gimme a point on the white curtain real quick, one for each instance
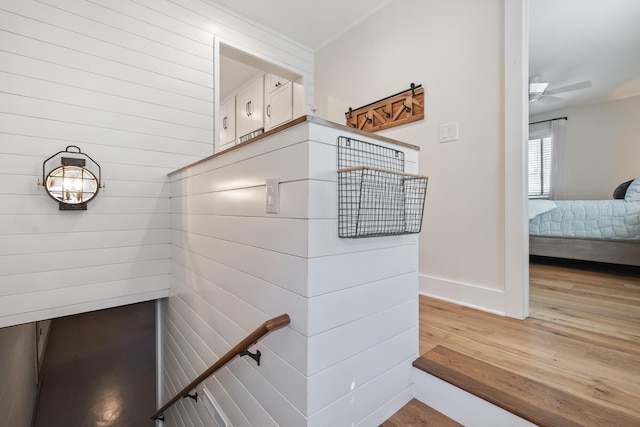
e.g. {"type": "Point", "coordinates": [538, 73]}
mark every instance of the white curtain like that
{"type": "Point", "coordinates": [556, 187]}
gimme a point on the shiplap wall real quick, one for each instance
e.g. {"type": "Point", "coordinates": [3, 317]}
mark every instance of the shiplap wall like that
{"type": "Point", "coordinates": [362, 304]}
{"type": "Point", "coordinates": [346, 357]}
{"type": "Point", "coordinates": [131, 82]}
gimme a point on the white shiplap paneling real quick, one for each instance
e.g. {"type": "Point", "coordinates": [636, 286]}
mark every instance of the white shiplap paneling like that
{"type": "Point", "coordinates": [346, 356]}
{"type": "Point", "coordinates": [131, 83]}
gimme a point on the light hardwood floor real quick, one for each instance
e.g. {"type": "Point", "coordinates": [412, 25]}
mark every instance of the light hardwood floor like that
{"type": "Point", "coordinates": [417, 414]}
{"type": "Point", "coordinates": [582, 337]}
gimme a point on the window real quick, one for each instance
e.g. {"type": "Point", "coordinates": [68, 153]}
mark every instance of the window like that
{"type": "Point", "coordinates": [539, 166]}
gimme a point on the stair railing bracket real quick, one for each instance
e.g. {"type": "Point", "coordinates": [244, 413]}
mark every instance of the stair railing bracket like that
{"type": "Point", "coordinates": [255, 356]}
{"type": "Point", "coordinates": [193, 396]}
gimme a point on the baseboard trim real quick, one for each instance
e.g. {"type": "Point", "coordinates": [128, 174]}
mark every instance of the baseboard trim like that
{"type": "Point", "coordinates": [489, 300]}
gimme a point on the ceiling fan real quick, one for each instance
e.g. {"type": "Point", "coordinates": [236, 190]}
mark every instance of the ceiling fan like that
{"type": "Point", "coordinates": [538, 90]}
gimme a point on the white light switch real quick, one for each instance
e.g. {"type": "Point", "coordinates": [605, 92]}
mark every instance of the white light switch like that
{"type": "Point", "coordinates": [449, 132]}
{"type": "Point", "coordinates": [273, 195]}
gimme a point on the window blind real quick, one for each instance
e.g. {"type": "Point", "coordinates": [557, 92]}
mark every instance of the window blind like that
{"type": "Point", "coordinates": [539, 166]}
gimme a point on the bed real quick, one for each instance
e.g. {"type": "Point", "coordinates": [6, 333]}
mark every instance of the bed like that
{"type": "Point", "coordinates": [591, 230]}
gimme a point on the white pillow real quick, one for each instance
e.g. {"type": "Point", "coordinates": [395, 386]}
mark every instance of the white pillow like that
{"type": "Point", "coordinates": [633, 192]}
{"type": "Point", "coordinates": [540, 206]}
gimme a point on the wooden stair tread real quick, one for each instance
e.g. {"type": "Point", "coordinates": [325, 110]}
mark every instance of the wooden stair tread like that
{"type": "Point", "coordinates": [529, 399]}
{"type": "Point", "coordinates": [417, 414]}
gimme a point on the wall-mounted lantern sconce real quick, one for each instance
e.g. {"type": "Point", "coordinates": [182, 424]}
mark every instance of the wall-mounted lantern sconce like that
{"type": "Point", "coordinates": [72, 185]}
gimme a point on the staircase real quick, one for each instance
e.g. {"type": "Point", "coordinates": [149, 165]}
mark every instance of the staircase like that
{"type": "Point", "coordinates": [479, 394]}
{"type": "Point", "coordinates": [524, 397]}
{"type": "Point", "coordinates": [443, 403]}
{"type": "Point", "coordinates": [573, 362]}
{"type": "Point", "coordinates": [416, 414]}
{"type": "Point", "coordinates": [99, 369]}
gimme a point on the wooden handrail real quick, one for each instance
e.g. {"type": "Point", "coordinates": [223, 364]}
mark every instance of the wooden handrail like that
{"type": "Point", "coordinates": [252, 338]}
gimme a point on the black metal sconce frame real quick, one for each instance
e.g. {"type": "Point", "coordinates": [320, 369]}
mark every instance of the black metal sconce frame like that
{"type": "Point", "coordinates": [77, 162]}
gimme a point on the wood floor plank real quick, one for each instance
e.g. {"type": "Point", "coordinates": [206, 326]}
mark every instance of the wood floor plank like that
{"type": "Point", "coordinates": [587, 336]}
{"type": "Point", "coordinates": [626, 305]}
{"type": "Point", "coordinates": [529, 399]}
{"type": "Point", "coordinates": [582, 337]}
{"type": "Point", "coordinates": [417, 414]}
{"type": "Point", "coordinates": [588, 384]}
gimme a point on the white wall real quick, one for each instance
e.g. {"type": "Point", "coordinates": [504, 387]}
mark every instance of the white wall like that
{"type": "Point", "coordinates": [346, 358]}
{"type": "Point", "coordinates": [138, 99]}
{"type": "Point", "coordinates": [363, 306]}
{"type": "Point", "coordinates": [131, 84]}
{"type": "Point", "coordinates": [17, 374]}
{"type": "Point", "coordinates": [233, 267]}
{"type": "Point", "coordinates": [602, 143]}
{"type": "Point", "coordinates": [455, 50]}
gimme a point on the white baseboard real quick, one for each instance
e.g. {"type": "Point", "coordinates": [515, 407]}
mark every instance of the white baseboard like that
{"type": "Point", "coordinates": [461, 406]}
{"type": "Point", "coordinates": [490, 300]}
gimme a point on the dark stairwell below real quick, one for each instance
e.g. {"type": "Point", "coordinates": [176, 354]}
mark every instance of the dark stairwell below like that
{"type": "Point", "coordinates": [100, 369]}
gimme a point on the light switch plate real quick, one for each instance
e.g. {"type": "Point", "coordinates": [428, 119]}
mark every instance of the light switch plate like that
{"type": "Point", "coordinates": [273, 195]}
{"type": "Point", "coordinates": [449, 132]}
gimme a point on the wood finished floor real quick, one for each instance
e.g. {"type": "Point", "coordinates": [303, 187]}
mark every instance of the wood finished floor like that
{"type": "Point", "coordinates": [582, 337]}
{"type": "Point", "coordinates": [99, 370]}
{"type": "Point", "coordinates": [417, 414]}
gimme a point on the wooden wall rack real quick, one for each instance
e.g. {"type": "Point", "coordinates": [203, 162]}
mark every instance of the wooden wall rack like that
{"type": "Point", "coordinates": [403, 107]}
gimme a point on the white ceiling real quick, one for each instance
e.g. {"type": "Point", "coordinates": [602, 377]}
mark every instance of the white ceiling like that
{"type": "Point", "coordinates": [571, 41]}
{"type": "Point", "coordinates": [311, 23]}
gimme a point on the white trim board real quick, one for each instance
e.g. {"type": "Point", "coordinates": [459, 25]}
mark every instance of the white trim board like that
{"type": "Point", "coordinates": [516, 112]}
{"type": "Point", "coordinates": [461, 406]}
{"type": "Point", "coordinates": [465, 294]}
{"type": "Point", "coordinates": [67, 310]}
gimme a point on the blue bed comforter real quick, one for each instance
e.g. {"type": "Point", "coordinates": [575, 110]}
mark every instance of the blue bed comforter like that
{"type": "Point", "coordinates": [606, 219]}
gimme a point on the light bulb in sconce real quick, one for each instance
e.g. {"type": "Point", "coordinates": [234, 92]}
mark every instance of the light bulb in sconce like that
{"type": "Point", "coordinates": [72, 184]}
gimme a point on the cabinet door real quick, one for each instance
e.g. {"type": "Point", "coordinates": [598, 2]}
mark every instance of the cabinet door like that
{"type": "Point", "coordinates": [273, 82]}
{"type": "Point", "coordinates": [256, 106]}
{"type": "Point", "coordinates": [249, 105]}
{"type": "Point", "coordinates": [243, 118]}
{"type": "Point", "coordinates": [228, 123]}
{"type": "Point", "coordinates": [279, 106]}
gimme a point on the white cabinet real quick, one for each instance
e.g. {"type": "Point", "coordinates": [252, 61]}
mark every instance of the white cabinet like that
{"type": "Point", "coordinates": [227, 124]}
{"type": "Point", "coordinates": [249, 107]}
{"type": "Point", "coordinates": [265, 102]}
{"type": "Point", "coordinates": [273, 82]}
{"type": "Point", "coordinates": [279, 106]}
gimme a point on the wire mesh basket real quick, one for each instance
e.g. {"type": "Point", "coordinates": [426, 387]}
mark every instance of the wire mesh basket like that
{"type": "Point", "coordinates": [377, 201]}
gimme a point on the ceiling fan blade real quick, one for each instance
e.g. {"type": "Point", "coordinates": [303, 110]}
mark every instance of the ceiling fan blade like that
{"type": "Point", "coordinates": [576, 86]}
{"type": "Point", "coordinates": [547, 99]}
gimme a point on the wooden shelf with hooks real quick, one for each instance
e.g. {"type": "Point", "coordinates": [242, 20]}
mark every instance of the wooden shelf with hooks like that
{"type": "Point", "coordinates": [395, 110]}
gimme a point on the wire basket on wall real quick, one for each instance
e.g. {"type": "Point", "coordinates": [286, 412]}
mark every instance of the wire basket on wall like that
{"type": "Point", "coordinates": [375, 196]}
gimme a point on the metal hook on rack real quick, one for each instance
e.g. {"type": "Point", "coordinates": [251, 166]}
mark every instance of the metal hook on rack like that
{"type": "Point", "coordinates": [386, 114]}
{"type": "Point", "coordinates": [413, 89]}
